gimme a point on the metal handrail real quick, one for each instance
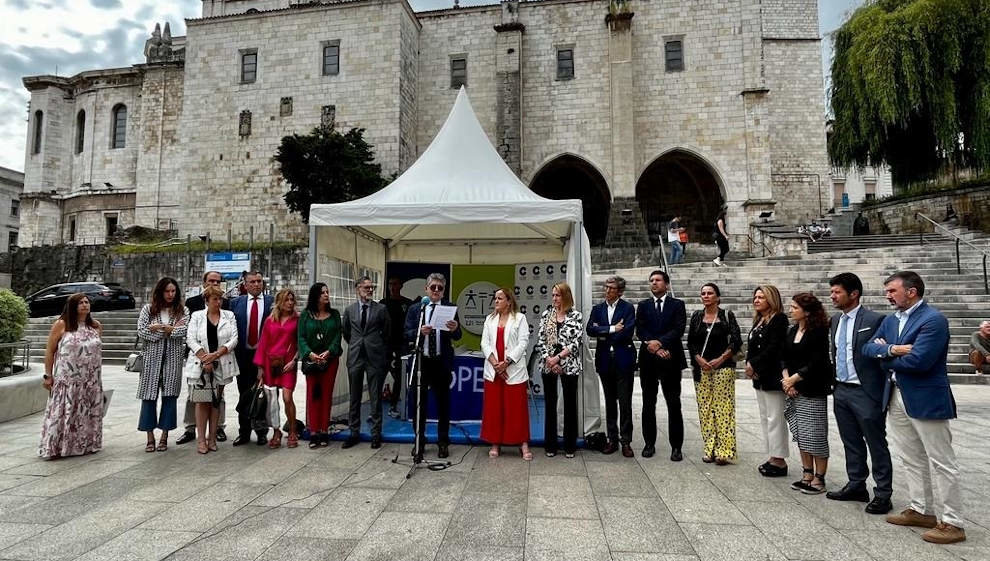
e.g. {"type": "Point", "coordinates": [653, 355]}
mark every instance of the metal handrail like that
{"type": "Point", "coordinates": [763, 244]}
{"type": "Point", "coordinates": [986, 279]}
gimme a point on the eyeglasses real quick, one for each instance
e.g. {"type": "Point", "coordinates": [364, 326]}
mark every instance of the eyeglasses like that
{"type": "Point", "coordinates": [611, 287]}
{"type": "Point", "coordinates": [436, 287]}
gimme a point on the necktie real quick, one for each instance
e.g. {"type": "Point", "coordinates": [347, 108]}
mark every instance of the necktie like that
{"type": "Point", "coordinates": [253, 324]}
{"type": "Point", "coordinates": [841, 369]}
{"type": "Point", "coordinates": [364, 315]}
{"type": "Point", "coordinates": [659, 305]}
{"type": "Point", "coordinates": [433, 336]}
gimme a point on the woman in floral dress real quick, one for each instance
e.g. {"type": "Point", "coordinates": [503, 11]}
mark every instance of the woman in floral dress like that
{"type": "Point", "coordinates": [73, 423]}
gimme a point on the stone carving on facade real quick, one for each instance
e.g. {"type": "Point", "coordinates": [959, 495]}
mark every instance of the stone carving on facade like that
{"type": "Point", "coordinates": [159, 48]}
{"type": "Point", "coordinates": [244, 123]}
{"type": "Point", "coordinates": [328, 116]}
{"type": "Point", "coordinates": [510, 17]}
{"type": "Point", "coordinates": [619, 17]}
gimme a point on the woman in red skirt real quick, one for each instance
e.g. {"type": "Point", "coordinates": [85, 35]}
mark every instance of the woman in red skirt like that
{"type": "Point", "coordinates": [504, 341]}
{"type": "Point", "coordinates": [276, 358]}
{"type": "Point", "coordinates": [319, 348]}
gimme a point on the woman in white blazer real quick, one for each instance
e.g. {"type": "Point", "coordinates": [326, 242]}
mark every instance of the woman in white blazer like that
{"type": "Point", "coordinates": [504, 342]}
{"type": "Point", "coordinates": [211, 337]}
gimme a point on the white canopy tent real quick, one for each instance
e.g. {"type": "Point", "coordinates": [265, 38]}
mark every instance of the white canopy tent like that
{"type": "Point", "coordinates": [459, 203]}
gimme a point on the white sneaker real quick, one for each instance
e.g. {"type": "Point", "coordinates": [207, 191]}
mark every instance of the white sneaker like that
{"type": "Point", "coordinates": [717, 261]}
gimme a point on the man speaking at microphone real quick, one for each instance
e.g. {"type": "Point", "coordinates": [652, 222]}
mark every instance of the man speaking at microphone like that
{"type": "Point", "coordinates": [437, 361]}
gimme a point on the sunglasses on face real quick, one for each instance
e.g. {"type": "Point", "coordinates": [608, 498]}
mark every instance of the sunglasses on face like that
{"type": "Point", "coordinates": [436, 287]}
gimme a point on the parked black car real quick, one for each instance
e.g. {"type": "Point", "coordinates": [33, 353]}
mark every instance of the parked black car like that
{"type": "Point", "coordinates": [102, 296]}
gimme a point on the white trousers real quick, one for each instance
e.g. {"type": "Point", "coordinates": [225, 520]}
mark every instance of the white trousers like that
{"type": "Point", "coordinates": [774, 424]}
{"type": "Point", "coordinates": [925, 449]}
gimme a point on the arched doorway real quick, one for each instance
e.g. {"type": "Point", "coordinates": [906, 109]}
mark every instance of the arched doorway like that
{"type": "Point", "coordinates": [680, 183]}
{"type": "Point", "coordinates": [570, 177]}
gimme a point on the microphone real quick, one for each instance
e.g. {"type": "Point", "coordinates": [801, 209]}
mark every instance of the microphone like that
{"type": "Point", "coordinates": [425, 300]}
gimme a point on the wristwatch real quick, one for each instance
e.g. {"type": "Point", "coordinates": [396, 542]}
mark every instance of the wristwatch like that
{"type": "Point", "coordinates": [46, 376]}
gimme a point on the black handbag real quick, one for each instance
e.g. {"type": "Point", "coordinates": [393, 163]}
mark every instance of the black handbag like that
{"type": "Point", "coordinates": [253, 403]}
{"type": "Point", "coordinates": [311, 368]}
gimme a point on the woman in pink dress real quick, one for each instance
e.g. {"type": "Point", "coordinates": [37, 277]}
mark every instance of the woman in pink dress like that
{"type": "Point", "coordinates": [276, 361]}
{"type": "Point", "coordinates": [73, 423]}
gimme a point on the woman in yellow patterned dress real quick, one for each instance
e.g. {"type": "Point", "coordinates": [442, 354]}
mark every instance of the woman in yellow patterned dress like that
{"type": "Point", "coordinates": [713, 341]}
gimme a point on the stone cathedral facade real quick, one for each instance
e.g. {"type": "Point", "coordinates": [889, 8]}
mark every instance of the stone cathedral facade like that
{"type": "Point", "coordinates": [670, 106]}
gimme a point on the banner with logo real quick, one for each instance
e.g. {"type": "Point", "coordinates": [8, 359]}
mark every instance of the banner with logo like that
{"type": "Point", "coordinates": [473, 290]}
{"type": "Point", "coordinates": [533, 285]}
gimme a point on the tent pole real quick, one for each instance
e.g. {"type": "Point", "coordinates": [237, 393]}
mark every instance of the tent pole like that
{"type": "Point", "coordinates": [357, 269]}
{"type": "Point", "coordinates": [312, 254]}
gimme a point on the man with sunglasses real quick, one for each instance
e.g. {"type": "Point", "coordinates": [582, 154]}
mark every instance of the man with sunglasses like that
{"type": "Point", "coordinates": [437, 361]}
{"type": "Point", "coordinates": [195, 303]}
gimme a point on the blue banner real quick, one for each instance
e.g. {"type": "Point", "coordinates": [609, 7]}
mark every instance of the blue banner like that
{"type": "Point", "coordinates": [467, 390]}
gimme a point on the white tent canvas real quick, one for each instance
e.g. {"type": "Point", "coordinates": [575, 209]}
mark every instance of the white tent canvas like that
{"type": "Point", "coordinates": [458, 203]}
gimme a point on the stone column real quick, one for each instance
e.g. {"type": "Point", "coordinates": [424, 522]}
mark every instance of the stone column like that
{"type": "Point", "coordinates": [508, 81]}
{"type": "Point", "coordinates": [759, 193]}
{"type": "Point", "coordinates": [619, 21]}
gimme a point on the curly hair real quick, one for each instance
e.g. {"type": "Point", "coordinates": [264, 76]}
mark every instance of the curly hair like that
{"type": "Point", "coordinates": [816, 316]}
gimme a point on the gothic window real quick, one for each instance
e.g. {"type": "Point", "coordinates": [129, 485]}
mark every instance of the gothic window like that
{"type": "Point", "coordinates": [249, 66]}
{"type": "Point", "coordinates": [673, 50]}
{"type": "Point", "coordinates": [244, 124]}
{"type": "Point", "coordinates": [328, 115]}
{"type": "Point", "coordinates": [331, 58]}
{"type": "Point", "coordinates": [458, 71]}
{"type": "Point", "coordinates": [285, 107]}
{"type": "Point", "coordinates": [80, 131]}
{"type": "Point", "coordinates": [118, 128]}
{"type": "Point", "coordinates": [39, 119]}
{"type": "Point", "coordinates": [565, 63]}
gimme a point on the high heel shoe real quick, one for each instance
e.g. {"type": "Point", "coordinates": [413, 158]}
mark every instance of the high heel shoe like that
{"type": "Point", "coordinates": [201, 447]}
{"type": "Point", "coordinates": [276, 440]}
{"type": "Point", "coordinates": [292, 441]}
{"type": "Point", "coordinates": [527, 454]}
{"type": "Point", "coordinates": [493, 452]}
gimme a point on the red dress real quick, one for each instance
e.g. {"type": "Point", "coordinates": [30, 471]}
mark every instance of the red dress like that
{"type": "Point", "coordinates": [278, 340]}
{"type": "Point", "coordinates": [505, 414]}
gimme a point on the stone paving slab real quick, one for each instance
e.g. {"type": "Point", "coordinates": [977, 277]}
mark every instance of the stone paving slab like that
{"type": "Point", "coordinates": [330, 504]}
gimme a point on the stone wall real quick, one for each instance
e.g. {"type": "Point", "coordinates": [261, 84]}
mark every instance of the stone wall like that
{"type": "Point", "coordinates": [158, 203]}
{"type": "Point", "coordinates": [972, 205]}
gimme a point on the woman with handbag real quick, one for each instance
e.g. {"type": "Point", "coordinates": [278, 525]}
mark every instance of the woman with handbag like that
{"type": "Point", "coordinates": [211, 336]}
{"type": "Point", "coordinates": [504, 342]}
{"type": "Point", "coordinates": [559, 349]}
{"type": "Point", "coordinates": [319, 347]}
{"type": "Point", "coordinates": [766, 343]}
{"type": "Point", "coordinates": [275, 358]}
{"type": "Point", "coordinates": [713, 341]}
{"type": "Point", "coordinates": [162, 328]}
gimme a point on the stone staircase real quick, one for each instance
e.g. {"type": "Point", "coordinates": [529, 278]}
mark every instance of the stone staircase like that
{"type": "Point", "coordinates": [960, 297]}
{"type": "Point", "coordinates": [627, 240]}
{"type": "Point", "coordinates": [840, 244]}
{"type": "Point", "coordinates": [119, 331]}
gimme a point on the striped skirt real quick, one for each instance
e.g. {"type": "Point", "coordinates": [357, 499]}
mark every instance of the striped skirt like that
{"type": "Point", "coordinates": [807, 417]}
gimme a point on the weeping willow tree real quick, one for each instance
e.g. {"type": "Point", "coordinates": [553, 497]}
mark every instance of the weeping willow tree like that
{"type": "Point", "coordinates": [911, 88]}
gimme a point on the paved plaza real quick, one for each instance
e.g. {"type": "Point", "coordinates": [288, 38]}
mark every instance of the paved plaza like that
{"type": "Point", "coordinates": [251, 503]}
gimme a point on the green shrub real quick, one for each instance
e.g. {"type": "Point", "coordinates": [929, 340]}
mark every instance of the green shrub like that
{"type": "Point", "coordinates": [13, 318]}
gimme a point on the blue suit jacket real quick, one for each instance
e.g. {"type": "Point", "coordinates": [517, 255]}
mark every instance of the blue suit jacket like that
{"type": "Point", "coordinates": [613, 346]}
{"type": "Point", "coordinates": [922, 375]}
{"type": "Point", "coordinates": [446, 337]}
{"type": "Point", "coordinates": [873, 377]}
{"type": "Point", "coordinates": [239, 307]}
{"type": "Point", "coordinates": [668, 328]}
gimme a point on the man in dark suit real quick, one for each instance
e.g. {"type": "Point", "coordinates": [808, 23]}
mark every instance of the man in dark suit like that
{"type": "Point", "coordinates": [612, 323]}
{"type": "Point", "coordinates": [397, 306]}
{"type": "Point", "coordinates": [250, 309]}
{"type": "Point", "coordinates": [860, 392]}
{"type": "Point", "coordinates": [437, 363]}
{"type": "Point", "coordinates": [366, 329]}
{"type": "Point", "coordinates": [913, 344]}
{"type": "Point", "coordinates": [660, 323]}
{"type": "Point", "coordinates": [195, 303]}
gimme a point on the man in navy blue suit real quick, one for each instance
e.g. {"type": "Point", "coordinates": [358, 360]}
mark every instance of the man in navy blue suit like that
{"type": "Point", "coordinates": [913, 344]}
{"type": "Point", "coordinates": [660, 323]}
{"type": "Point", "coordinates": [612, 324]}
{"type": "Point", "coordinates": [250, 309]}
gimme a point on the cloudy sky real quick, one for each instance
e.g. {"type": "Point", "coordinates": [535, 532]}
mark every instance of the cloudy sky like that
{"type": "Point", "coordinates": [69, 36]}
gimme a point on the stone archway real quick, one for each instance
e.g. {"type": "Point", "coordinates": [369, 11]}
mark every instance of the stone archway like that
{"type": "Point", "coordinates": [680, 183]}
{"type": "Point", "coordinates": [570, 177]}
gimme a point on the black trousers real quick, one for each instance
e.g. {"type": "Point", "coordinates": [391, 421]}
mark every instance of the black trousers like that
{"type": "Point", "coordinates": [723, 246]}
{"type": "Point", "coordinates": [246, 380]}
{"type": "Point", "coordinates": [618, 388]}
{"type": "Point", "coordinates": [397, 370]}
{"type": "Point", "coordinates": [436, 378]}
{"type": "Point", "coordinates": [651, 378]}
{"type": "Point", "coordinates": [862, 426]}
{"type": "Point", "coordinates": [570, 385]}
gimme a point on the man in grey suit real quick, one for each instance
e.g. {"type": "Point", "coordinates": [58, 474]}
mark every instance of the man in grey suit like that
{"type": "Point", "coordinates": [861, 395]}
{"type": "Point", "coordinates": [366, 330]}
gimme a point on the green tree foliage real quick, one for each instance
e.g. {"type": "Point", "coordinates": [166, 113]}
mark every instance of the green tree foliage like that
{"type": "Point", "coordinates": [13, 318]}
{"type": "Point", "coordinates": [326, 166]}
{"type": "Point", "coordinates": [911, 87]}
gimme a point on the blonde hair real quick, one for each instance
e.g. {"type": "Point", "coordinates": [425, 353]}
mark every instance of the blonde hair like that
{"type": "Point", "coordinates": [511, 297]}
{"type": "Point", "coordinates": [566, 296]}
{"type": "Point", "coordinates": [772, 295]}
{"type": "Point", "coordinates": [211, 292]}
{"type": "Point", "coordinates": [279, 300]}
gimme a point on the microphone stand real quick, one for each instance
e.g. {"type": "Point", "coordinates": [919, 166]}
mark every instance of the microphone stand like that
{"type": "Point", "coordinates": [417, 374]}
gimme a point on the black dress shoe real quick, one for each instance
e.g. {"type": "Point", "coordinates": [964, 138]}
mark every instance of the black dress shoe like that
{"type": "Point", "coordinates": [376, 442]}
{"type": "Point", "coordinates": [849, 494]}
{"type": "Point", "coordinates": [241, 439]}
{"type": "Point", "coordinates": [443, 451]}
{"type": "Point", "coordinates": [627, 451]}
{"type": "Point", "coordinates": [649, 451]}
{"type": "Point", "coordinates": [611, 447]}
{"type": "Point", "coordinates": [189, 437]}
{"type": "Point", "coordinates": [675, 455]}
{"type": "Point", "coordinates": [351, 442]}
{"type": "Point", "coordinates": [879, 505]}
{"type": "Point", "coordinates": [262, 440]}
{"type": "Point", "coordinates": [221, 436]}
